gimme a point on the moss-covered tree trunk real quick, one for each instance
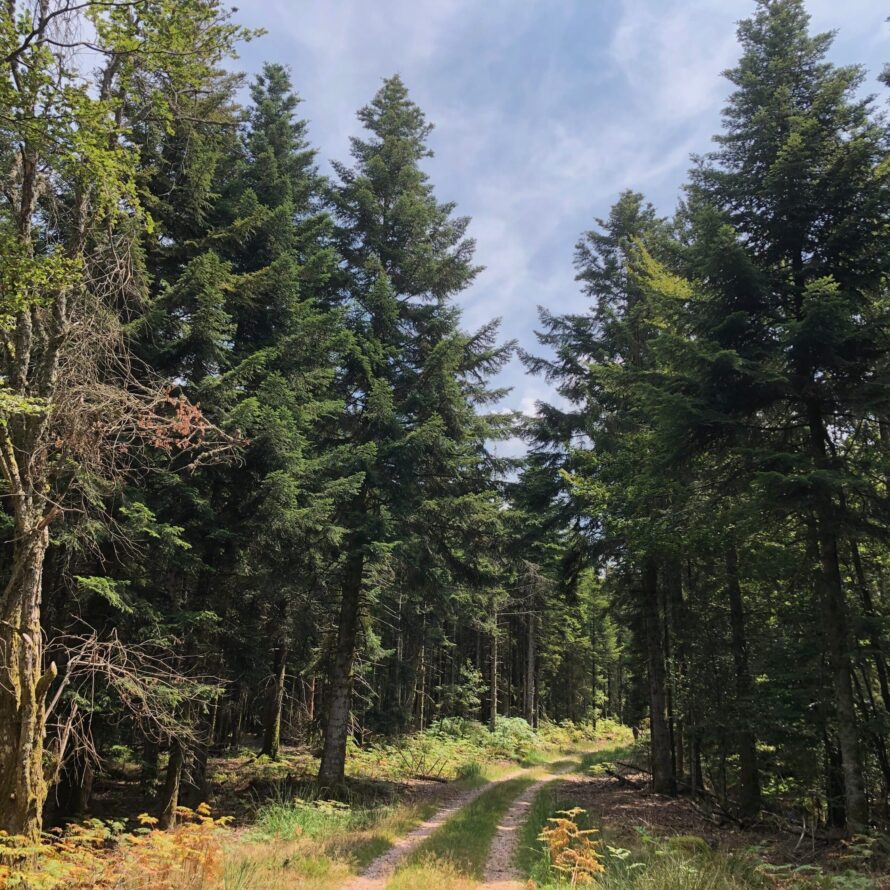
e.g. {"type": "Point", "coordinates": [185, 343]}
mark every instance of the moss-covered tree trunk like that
{"type": "Point", "coordinates": [272, 729]}
{"type": "Point", "coordinates": [23, 683]}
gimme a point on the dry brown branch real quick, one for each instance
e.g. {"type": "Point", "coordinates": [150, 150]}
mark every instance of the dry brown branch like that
{"type": "Point", "coordinates": [154, 687]}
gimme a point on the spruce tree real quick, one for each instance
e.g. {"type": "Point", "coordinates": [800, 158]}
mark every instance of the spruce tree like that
{"type": "Point", "coordinates": [799, 183]}
{"type": "Point", "coordinates": [413, 379]}
{"type": "Point", "coordinates": [606, 441]}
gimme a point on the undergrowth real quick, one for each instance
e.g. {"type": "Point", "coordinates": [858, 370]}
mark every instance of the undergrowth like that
{"type": "Point", "coordinates": [679, 862]}
{"type": "Point", "coordinates": [294, 839]}
{"type": "Point", "coordinates": [102, 856]}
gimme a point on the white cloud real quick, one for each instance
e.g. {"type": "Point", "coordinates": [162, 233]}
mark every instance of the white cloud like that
{"type": "Point", "coordinates": [544, 112]}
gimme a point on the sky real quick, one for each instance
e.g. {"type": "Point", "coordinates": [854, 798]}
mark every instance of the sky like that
{"type": "Point", "coordinates": [544, 111]}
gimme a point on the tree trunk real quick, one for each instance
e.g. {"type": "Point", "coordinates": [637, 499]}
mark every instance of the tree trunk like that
{"type": "Point", "coordinates": [71, 796]}
{"type": "Point", "coordinates": [272, 729]}
{"type": "Point", "coordinates": [23, 687]}
{"type": "Point", "coordinates": [421, 690]}
{"type": "Point", "coordinates": [875, 636]}
{"type": "Point", "coordinates": [663, 779]}
{"type": "Point", "coordinates": [168, 800]}
{"type": "Point", "coordinates": [493, 716]}
{"type": "Point", "coordinates": [333, 756]}
{"type": "Point", "coordinates": [749, 776]}
{"type": "Point", "coordinates": [867, 703]}
{"type": "Point", "coordinates": [197, 788]}
{"type": "Point", "coordinates": [529, 705]}
{"type": "Point", "coordinates": [832, 591]}
{"type": "Point", "coordinates": [675, 616]}
{"type": "Point", "coordinates": [834, 785]}
{"type": "Point", "coordinates": [148, 778]}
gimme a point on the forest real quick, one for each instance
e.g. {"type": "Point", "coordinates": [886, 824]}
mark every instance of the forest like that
{"type": "Point", "coordinates": [264, 558]}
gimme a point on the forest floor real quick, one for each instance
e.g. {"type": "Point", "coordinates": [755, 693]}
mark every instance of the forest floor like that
{"type": "Point", "coordinates": [484, 833]}
{"type": "Point", "coordinates": [452, 812]}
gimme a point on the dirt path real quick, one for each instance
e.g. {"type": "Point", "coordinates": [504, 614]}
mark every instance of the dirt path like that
{"type": "Point", "coordinates": [378, 873]}
{"type": "Point", "coordinates": [500, 871]}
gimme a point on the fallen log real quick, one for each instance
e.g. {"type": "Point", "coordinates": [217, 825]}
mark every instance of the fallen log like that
{"type": "Point", "coordinates": [623, 780]}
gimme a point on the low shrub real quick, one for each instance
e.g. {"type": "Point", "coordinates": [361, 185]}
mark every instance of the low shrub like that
{"type": "Point", "coordinates": [101, 855]}
{"type": "Point", "coordinates": [312, 818]}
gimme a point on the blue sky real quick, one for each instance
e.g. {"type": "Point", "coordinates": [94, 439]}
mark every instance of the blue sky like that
{"type": "Point", "coordinates": [544, 111]}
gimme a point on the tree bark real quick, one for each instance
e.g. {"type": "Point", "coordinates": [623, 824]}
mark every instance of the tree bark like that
{"type": "Point", "coordinates": [333, 757]}
{"type": "Point", "coordinates": [272, 730]}
{"type": "Point", "coordinates": [832, 594]}
{"type": "Point", "coordinates": [875, 636]}
{"type": "Point", "coordinates": [663, 778]}
{"type": "Point", "coordinates": [23, 684]}
{"type": "Point", "coordinates": [148, 778]}
{"type": "Point", "coordinates": [168, 800]}
{"type": "Point", "coordinates": [749, 776]}
{"type": "Point", "coordinates": [493, 716]}
{"type": "Point", "coordinates": [530, 652]}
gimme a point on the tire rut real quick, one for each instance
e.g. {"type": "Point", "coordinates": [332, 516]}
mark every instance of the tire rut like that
{"type": "Point", "coordinates": [500, 871]}
{"type": "Point", "coordinates": [378, 873]}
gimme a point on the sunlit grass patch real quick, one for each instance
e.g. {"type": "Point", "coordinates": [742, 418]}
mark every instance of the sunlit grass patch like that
{"type": "Point", "coordinates": [261, 865]}
{"type": "Point", "coordinates": [464, 840]}
{"type": "Point", "coordinates": [608, 754]}
{"type": "Point", "coordinates": [432, 874]}
{"type": "Point", "coordinates": [315, 844]}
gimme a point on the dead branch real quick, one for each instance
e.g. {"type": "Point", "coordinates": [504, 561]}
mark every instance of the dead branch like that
{"type": "Point", "coordinates": [153, 686]}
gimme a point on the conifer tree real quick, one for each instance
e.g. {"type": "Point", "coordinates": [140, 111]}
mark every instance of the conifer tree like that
{"type": "Point", "coordinates": [413, 379]}
{"type": "Point", "coordinates": [594, 353]}
{"type": "Point", "coordinates": [799, 183]}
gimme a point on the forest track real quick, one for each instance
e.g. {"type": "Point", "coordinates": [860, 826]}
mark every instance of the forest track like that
{"type": "Point", "coordinates": [378, 873]}
{"type": "Point", "coordinates": [500, 871]}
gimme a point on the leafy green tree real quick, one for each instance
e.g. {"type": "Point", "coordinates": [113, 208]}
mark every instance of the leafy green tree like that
{"type": "Point", "coordinates": [71, 219]}
{"type": "Point", "coordinates": [606, 441]}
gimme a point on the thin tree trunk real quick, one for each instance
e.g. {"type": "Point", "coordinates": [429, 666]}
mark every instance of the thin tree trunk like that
{"type": "Point", "coordinates": [856, 803]}
{"type": "Point", "coordinates": [749, 776]}
{"type": "Point", "coordinates": [272, 729]}
{"type": "Point", "coordinates": [676, 610]}
{"type": "Point", "coordinates": [493, 716]}
{"type": "Point", "coordinates": [169, 797]}
{"type": "Point", "coordinates": [333, 757]}
{"type": "Point", "coordinates": [197, 782]}
{"type": "Point", "coordinates": [421, 689]}
{"type": "Point", "coordinates": [663, 779]}
{"type": "Point", "coordinates": [530, 653]}
{"type": "Point", "coordinates": [149, 775]}
{"type": "Point", "coordinates": [876, 638]}
{"type": "Point", "coordinates": [867, 703]}
{"type": "Point", "coordinates": [310, 700]}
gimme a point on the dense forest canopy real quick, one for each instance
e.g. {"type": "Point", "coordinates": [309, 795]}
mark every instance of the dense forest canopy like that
{"type": "Point", "coordinates": [251, 483]}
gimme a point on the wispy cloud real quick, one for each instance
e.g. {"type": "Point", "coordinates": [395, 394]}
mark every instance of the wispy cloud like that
{"type": "Point", "coordinates": [544, 112]}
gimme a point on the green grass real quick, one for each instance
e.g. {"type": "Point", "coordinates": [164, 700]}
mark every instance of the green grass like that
{"type": "Point", "coordinates": [530, 851]}
{"type": "Point", "coordinates": [313, 819]}
{"type": "Point", "coordinates": [606, 755]}
{"type": "Point", "coordinates": [464, 840]}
